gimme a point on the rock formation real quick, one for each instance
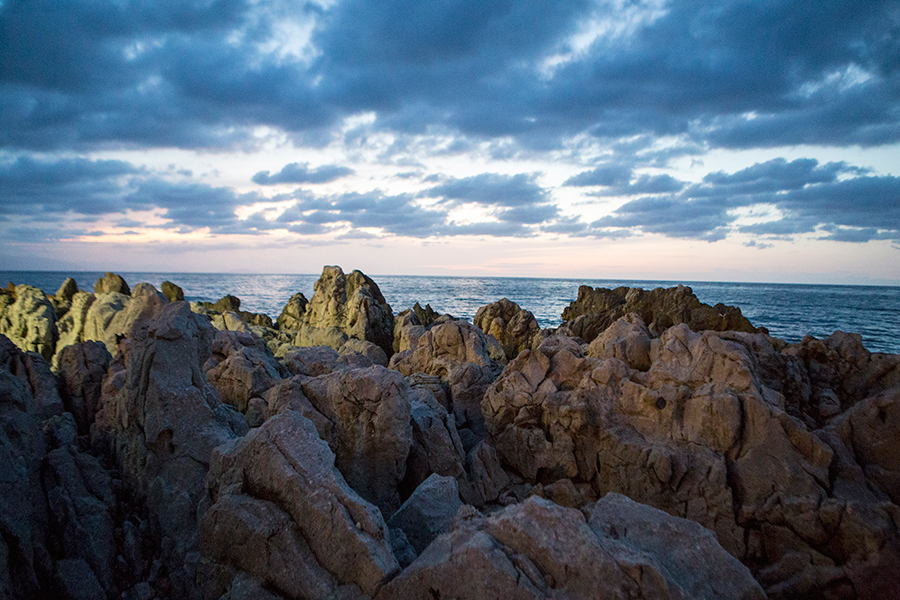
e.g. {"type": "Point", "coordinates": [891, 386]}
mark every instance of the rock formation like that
{"type": "Point", "coordinates": [512, 326]}
{"type": "Point", "coordinates": [350, 304]}
{"type": "Point", "coordinates": [291, 316]}
{"type": "Point", "coordinates": [111, 283]}
{"type": "Point", "coordinates": [171, 291]}
{"type": "Point", "coordinates": [596, 309]}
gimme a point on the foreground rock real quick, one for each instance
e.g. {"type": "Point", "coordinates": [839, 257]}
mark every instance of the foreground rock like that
{"type": "Point", "coordinates": [346, 306]}
{"type": "Point", "coordinates": [280, 512]}
{"type": "Point", "coordinates": [715, 431]}
{"type": "Point", "coordinates": [540, 550]}
{"type": "Point", "coordinates": [596, 309]}
{"type": "Point", "coordinates": [160, 419]}
{"type": "Point", "coordinates": [28, 318]}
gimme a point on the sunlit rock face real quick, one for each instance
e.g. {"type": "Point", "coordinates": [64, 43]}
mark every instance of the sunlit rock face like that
{"type": "Point", "coordinates": [728, 429]}
{"type": "Point", "coordinates": [349, 305]}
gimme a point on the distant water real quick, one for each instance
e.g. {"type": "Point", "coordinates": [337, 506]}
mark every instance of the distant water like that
{"type": "Point", "coordinates": [789, 311]}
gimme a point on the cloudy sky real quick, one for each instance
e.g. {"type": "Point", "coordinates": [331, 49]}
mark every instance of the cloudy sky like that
{"type": "Point", "coordinates": [754, 140]}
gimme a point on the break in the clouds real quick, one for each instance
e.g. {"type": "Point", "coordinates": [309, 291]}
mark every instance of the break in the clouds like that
{"type": "Point", "coordinates": [365, 120]}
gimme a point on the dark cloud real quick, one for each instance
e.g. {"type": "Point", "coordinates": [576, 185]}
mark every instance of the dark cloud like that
{"type": "Point", "coordinates": [607, 175]}
{"type": "Point", "coordinates": [490, 189]}
{"type": "Point", "coordinates": [301, 173]}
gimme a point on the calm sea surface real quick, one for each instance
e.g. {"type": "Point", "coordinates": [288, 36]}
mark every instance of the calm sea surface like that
{"type": "Point", "coordinates": [789, 311]}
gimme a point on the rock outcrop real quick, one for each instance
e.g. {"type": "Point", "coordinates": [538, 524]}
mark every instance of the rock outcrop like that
{"type": "Point", "coordinates": [464, 358]}
{"type": "Point", "coordinates": [708, 433]}
{"type": "Point", "coordinates": [349, 304]}
{"type": "Point", "coordinates": [281, 513]}
{"type": "Point", "coordinates": [537, 549]}
{"type": "Point", "coordinates": [596, 309]}
{"type": "Point", "coordinates": [512, 326]}
{"type": "Point", "coordinates": [160, 419]}
{"type": "Point", "coordinates": [171, 291]}
{"type": "Point", "coordinates": [291, 316]}
{"type": "Point", "coordinates": [27, 317]}
{"type": "Point", "coordinates": [112, 283]}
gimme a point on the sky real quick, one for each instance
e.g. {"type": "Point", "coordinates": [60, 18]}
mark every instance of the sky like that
{"type": "Point", "coordinates": [754, 140]}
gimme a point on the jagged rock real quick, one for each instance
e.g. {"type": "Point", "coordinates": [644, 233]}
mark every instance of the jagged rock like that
{"type": "Point", "coordinates": [463, 357]}
{"type": "Point", "coordinates": [71, 326]}
{"type": "Point", "coordinates": [161, 422]}
{"type": "Point", "coordinates": [428, 512]}
{"type": "Point", "coordinates": [627, 339]}
{"type": "Point", "coordinates": [707, 433]}
{"type": "Point", "coordinates": [112, 315]}
{"type": "Point", "coordinates": [241, 368]}
{"type": "Point", "coordinates": [282, 513]}
{"type": "Point", "coordinates": [233, 318]}
{"type": "Point", "coordinates": [291, 316]}
{"type": "Point", "coordinates": [62, 300]}
{"type": "Point", "coordinates": [74, 580]}
{"type": "Point", "coordinates": [407, 331]}
{"type": "Point", "coordinates": [332, 337]}
{"type": "Point", "coordinates": [370, 409]}
{"type": "Point", "coordinates": [111, 283]}
{"type": "Point", "coordinates": [540, 550]}
{"type": "Point", "coordinates": [81, 369]}
{"type": "Point", "coordinates": [351, 304]}
{"type": "Point", "coordinates": [311, 361]}
{"type": "Point", "coordinates": [426, 316]}
{"type": "Point", "coordinates": [28, 319]}
{"type": "Point", "coordinates": [171, 291]}
{"type": "Point", "coordinates": [225, 303]}
{"type": "Point", "coordinates": [512, 326]}
{"type": "Point", "coordinates": [436, 447]}
{"type": "Point", "coordinates": [596, 309]}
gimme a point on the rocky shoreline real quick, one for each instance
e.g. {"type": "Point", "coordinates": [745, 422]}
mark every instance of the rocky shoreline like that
{"type": "Point", "coordinates": [651, 447]}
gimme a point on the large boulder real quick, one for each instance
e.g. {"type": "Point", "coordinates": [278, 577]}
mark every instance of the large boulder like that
{"type": "Point", "coordinates": [112, 315]}
{"type": "Point", "coordinates": [709, 433]}
{"type": "Point", "coordinates": [62, 300]}
{"type": "Point", "coordinates": [514, 327]}
{"type": "Point", "coordinates": [160, 419]}
{"type": "Point", "coordinates": [351, 304]}
{"type": "Point", "coordinates": [81, 369]}
{"type": "Point", "coordinates": [537, 549]}
{"type": "Point", "coordinates": [370, 410]}
{"type": "Point", "coordinates": [71, 326]}
{"type": "Point", "coordinates": [280, 512]}
{"type": "Point", "coordinates": [241, 368]}
{"type": "Point", "coordinates": [111, 283]}
{"type": "Point", "coordinates": [428, 512]}
{"type": "Point", "coordinates": [28, 319]}
{"type": "Point", "coordinates": [596, 309]}
{"type": "Point", "coordinates": [171, 291]}
{"type": "Point", "coordinates": [464, 358]}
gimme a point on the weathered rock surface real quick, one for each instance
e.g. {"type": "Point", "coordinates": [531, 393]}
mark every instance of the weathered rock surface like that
{"type": "Point", "coordinates": [540, 550]}
{"type": "Point", "coordinates": [627, 339]}
{"type": "Point", "coordinates": [229, 307]}
{"type": "Point", "coordinates": [161, 422]}
{"type": "Point", "coordinates": [112, 315]}
{"type": "Point", "coordinates": [351, 304]}
{"type": "Point", "coordinates": [512, 326]}
{"type": "Point", "coordinates": [62, 299]}
{"type": "Point", "coordinates": [596, 309]}
{"type": "Point", "coordinates": [82, 368]}
{"type": "Point", "coordinates": [282, 513]}
{"type": "Point", "coordinates": [71, 326]}
{"type": "Point", "coordinates": [370, 410]}
{"type": "Point", "coordinates": [712, 431]}
{"type": "Point", "coordinates": [291, 316]}
{"type": "Point", "coordinates": [466, 361]}
{"type": "Point", "coordinates": [241, 368]}
{"type": "Point", "coordinates": [28, 319]}
{"type": "Point", "coordinates": [428, 512]}
{"type": "Point", "coordinates": [111, 283]}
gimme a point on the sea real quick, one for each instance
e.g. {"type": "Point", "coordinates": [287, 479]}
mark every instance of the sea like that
{"type": "Point", "coordinates": [788, 311]}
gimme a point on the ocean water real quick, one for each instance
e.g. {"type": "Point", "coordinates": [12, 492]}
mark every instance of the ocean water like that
{"type": "Point", "coordinates": [789, 311]}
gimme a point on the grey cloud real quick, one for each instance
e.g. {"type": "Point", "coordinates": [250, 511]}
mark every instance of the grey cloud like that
{"type": "Point", "coordinates": [607, 175]}
{"type": "Point", "coordinates": [301, 173]}
{"type": "Point", "coordinates": [490, 189]}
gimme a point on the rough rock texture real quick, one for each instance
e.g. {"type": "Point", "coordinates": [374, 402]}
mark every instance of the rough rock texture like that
{"type": "Point", "coordinates": [112, 315]}
{"type": "Point", "coordinates": [281, 512]}
{"type": "Point", "coordinates": [428, 512]}
{"type": "Point", "coordinates": [81, 370]}
{"type": "Point", "coordinates": [241, 368]}
{"type": "Point", "coordinates": [62, 300]}
{"type": "Point", "coordinates": [160, 419]}
{"type": "Point", "coordinates": [465, 360]}
{"type": "Point", "coordinates": [111, 283]}
{"type": "Point", "coordinates": [171, 291]}
{"type": "Point", "coordinates": [512, 326]}
{"type": "Point", "coordinates": [540, 550]}
{"type": "Point", "coordinates": [370, 411]}
{"type": "Point", "coordinates": [596, 309]}
{"type": "Point", "coordinates": [230, 307]}
{"type": "Point", "coordinates": [369, 352]}
{"type": "Point", "coordinates": [627, 339]}
{"type": "Point", "coordinates": [407, 331]}
{"type": "Point", "coordinates": [351, 304]}
{"type": "Point", "coordinates": [28, 319]}
{"type": "Point", "coordinates": [715, 432]}
{"type": "Point", "coordinates": [71, 326]}
{"type": "Point", "coordinates": [291, 316]}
